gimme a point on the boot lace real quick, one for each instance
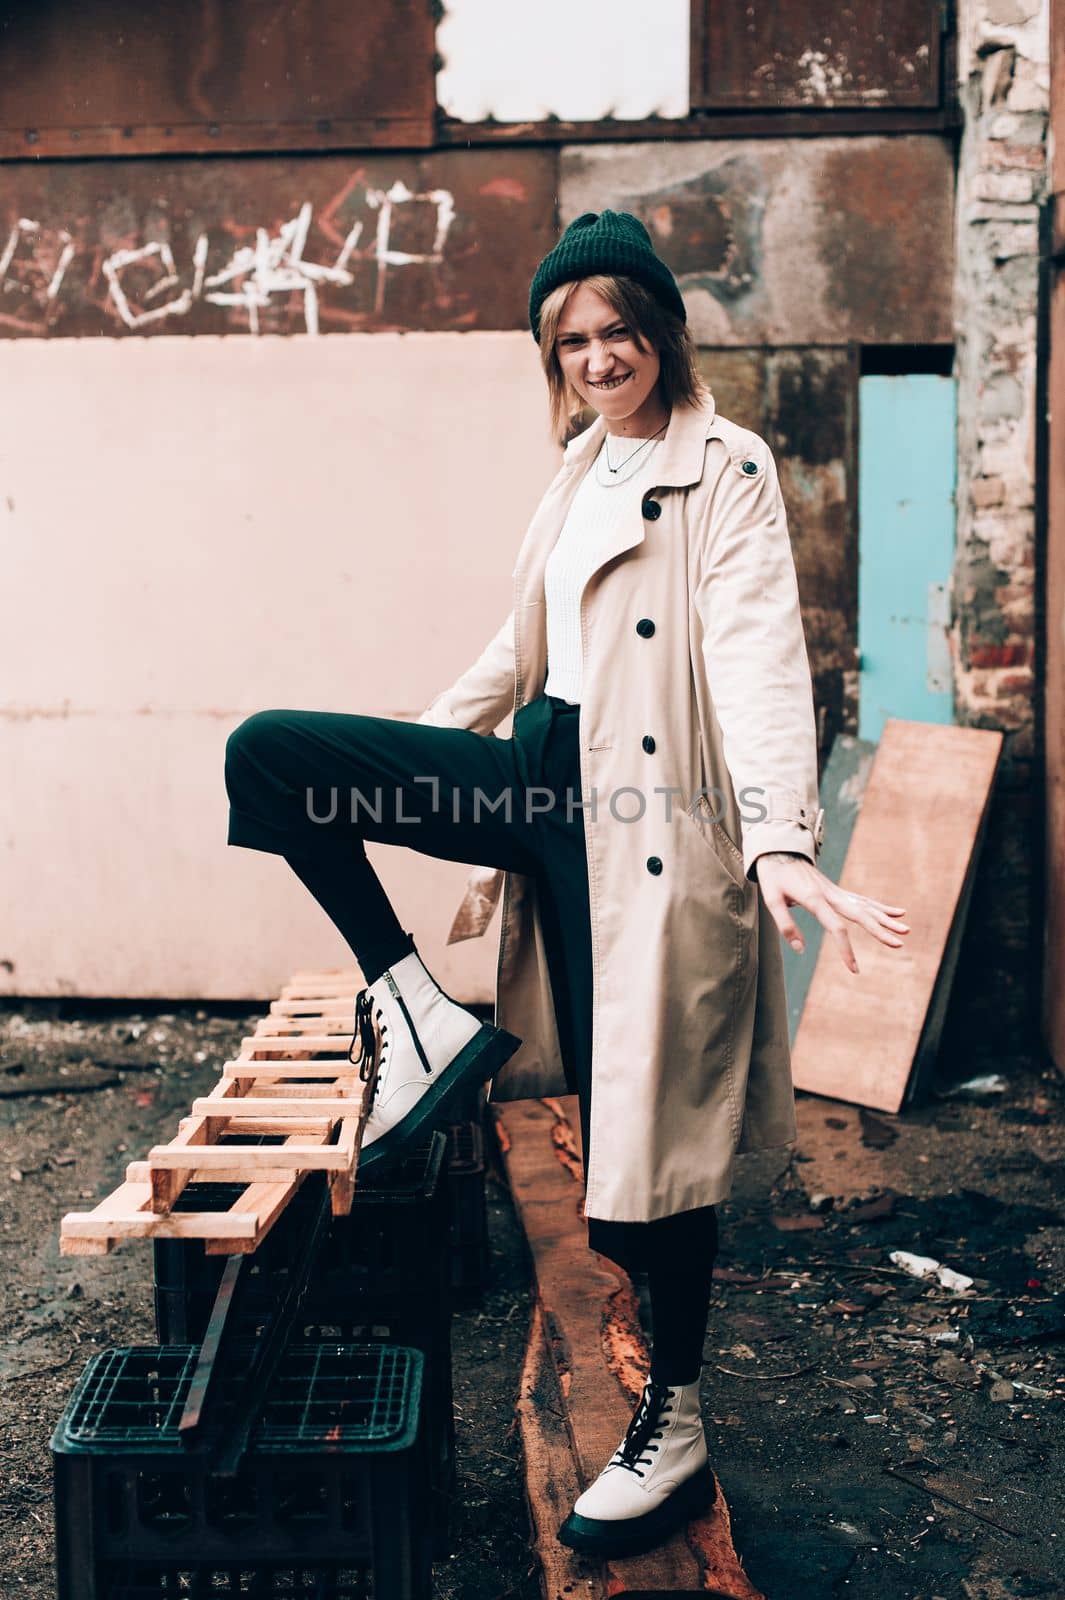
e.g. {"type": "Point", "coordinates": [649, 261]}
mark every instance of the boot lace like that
{"type": "Point", "coordinates": [369, 1035]}
{"type": "Point", "coordinates": [634, 1451]}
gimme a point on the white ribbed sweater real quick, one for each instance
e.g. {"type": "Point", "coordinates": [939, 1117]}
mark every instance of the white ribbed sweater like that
{"type": "Point", "coordinates": [586, 533]}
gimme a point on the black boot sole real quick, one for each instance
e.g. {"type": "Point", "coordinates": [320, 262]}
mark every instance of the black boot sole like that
{"type": "Point", "coordinates": [632, 1537]}
{"type": "Point", "coordinates": [476, 1061]}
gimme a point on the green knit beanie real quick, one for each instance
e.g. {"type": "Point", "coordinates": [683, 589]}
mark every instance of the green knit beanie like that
{"type": "Point", "coordinates": [612, 242]}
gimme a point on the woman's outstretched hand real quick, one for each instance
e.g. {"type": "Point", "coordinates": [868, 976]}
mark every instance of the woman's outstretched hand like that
{"type": "Point", "coordinates": [791, 880]}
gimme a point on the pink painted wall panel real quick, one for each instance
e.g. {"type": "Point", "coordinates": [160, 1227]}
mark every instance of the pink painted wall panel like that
{"type": "Point", "coordinates": [199, 528]}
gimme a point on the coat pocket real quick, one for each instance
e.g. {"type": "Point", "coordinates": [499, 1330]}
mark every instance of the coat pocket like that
{"type": "Point", "coordinates": [710, 830]}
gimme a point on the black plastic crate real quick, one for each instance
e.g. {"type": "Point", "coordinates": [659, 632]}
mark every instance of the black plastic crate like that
{"type": "Point", "coordinates": [468, 1207]}
{"type": "Point", "coordinates": [336, 1477]}
{"type": "Point", "coordinates": [384, 1273]}
{"type": "Point", "coordinates": [469, 1103]}
{"type": "Point", "coordinates": [392, 1247]}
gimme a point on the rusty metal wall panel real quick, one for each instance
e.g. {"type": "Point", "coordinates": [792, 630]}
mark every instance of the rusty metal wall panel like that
{"type": "Point", "coordinates": [804, 403]}
{"type": "Point", "coordinates": [789, 241]}
{"type": "Point", "coordinates": [1053, 1018]}
{"type": "Point", "coordinates": [816, 53]}
{"type": "Point", "coordinates": [738, 380]}
{"type": "Point", "coordinates": [330, 244]}
{"type": "Point", "coordinates": [812, 424]}
{"type": "Point", "coordinates": [214, 75]}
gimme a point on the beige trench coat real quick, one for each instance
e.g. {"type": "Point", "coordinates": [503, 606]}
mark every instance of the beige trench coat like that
{"type": "Point", "coordinates": [690, 1056]}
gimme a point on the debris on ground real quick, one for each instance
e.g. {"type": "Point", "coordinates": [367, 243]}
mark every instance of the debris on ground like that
{"type": "Point", "coordinates": [927, 1267]}
{"type": "Point", "coordinates": [876, 1433]}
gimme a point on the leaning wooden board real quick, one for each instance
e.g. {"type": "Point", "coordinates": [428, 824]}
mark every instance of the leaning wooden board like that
{"type": "Point", "coordinates": [584, 1371]}
{"type": "Point", "coordinates": [291, 1082]}
{"type": "Point", "coordinates": [915, 844]}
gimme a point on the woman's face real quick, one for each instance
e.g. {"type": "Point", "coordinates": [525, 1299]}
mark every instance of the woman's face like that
{"type": "Point", "coordinates": [601, 359]}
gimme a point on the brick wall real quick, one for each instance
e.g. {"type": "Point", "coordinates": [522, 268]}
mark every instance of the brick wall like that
{"type": "Point", "coordinates": [1002, 183]}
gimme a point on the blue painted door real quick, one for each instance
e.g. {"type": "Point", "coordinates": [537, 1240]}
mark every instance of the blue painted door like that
{"type": "Point", "coordinates": [906, 483]}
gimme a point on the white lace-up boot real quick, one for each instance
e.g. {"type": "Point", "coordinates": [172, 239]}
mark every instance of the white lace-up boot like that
{"type": "Point", "coordinates": [426, 1048]}
{"type": "Point", "coordinates": [657, 1480]}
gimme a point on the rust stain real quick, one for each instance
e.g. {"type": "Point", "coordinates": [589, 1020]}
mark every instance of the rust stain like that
{"type": "Point", "coordinates": [333, 230]}
{"type": "Point", "coordinates": [564, 1141]}
{"type": "Point", "coordinates": [566, 1150]}
{"type": "Point", "coordinates": [559, 1346]}
{"type": "Point", "coordinates": [502, 1136]}
{"type": "Point", "coordinates": [710, 1541]}
{"type": "Point", "coordinates": [662, 217]}
{"type": "Point", "coordinates": [504, 189]}
{"type": "Point", "coordinates": [890, 220]}
{"type": "Point", "coordinates": [778, 59]}
{"type": "Point", "coordinates": [625, 1348]}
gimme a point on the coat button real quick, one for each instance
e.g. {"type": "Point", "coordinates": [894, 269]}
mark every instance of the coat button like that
{"type": "Point", "coordinates": [645, 627]}
{"type": "Point", "coordinates": [750, 467]}
{"type": "Point", "coordinates": [651, 509]}
{"type": "Point", "coordinates": [654, 864]}
{"type": "Point", "coordinates": [648, 744]}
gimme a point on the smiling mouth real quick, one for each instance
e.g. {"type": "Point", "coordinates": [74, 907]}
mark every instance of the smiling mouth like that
{"type": "Point", "coordinates": [610, 383]}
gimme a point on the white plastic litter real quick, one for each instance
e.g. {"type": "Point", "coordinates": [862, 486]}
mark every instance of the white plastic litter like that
{"type": "Point", "coordinates": [988, 1083]}
{"type": "Point", "coordinates": [928, 1267]}
{"type": "Point", "coordinates": [953, 1280]}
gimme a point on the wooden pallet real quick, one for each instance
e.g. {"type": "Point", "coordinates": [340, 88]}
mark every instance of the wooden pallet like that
{"type": "Point", "coordinates": [291, 1081]}
{"type": "Point", "coordinates": [584, 1370]}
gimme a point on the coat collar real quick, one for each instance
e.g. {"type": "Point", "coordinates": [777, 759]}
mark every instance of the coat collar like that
{"type": "Point", "coordinates": [681, 456]}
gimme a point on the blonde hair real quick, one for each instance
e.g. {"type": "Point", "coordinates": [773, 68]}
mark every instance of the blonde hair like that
{"type": "Point", "coordinates": [651, 323]}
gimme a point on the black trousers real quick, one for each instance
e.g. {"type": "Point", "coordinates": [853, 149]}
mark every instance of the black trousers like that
{"type": "Point", "coordinates": [312, 786]}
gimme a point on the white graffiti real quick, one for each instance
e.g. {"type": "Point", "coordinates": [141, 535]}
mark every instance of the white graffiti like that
{"type": "Point", "coordinates": [385, 202]}
{"type": "Point", "coordinates": [25, 229]}
{"type": "Point", "coordinates": [114, 266]}
{"type": "Point", "coordinates": [275, 265]}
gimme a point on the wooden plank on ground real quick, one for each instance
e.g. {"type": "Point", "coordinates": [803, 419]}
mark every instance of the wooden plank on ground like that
{"type": "Point", "coordinates": [915, 844]}
{"type": "Point", "coordinates": [551, 1484]}
{"type": "Point", "coordinates": [600, 1357]}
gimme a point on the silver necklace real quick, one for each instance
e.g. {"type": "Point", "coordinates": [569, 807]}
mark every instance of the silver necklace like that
{"type": "Point", "coordinates": [604, 455]}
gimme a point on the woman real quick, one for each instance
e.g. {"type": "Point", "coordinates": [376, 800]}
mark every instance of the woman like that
{"type": "Point", "coordinates": [653, 817]}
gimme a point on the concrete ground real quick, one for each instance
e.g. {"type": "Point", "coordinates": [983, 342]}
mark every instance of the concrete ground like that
{"type": "Point", "coordinates": [875, 1434]}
